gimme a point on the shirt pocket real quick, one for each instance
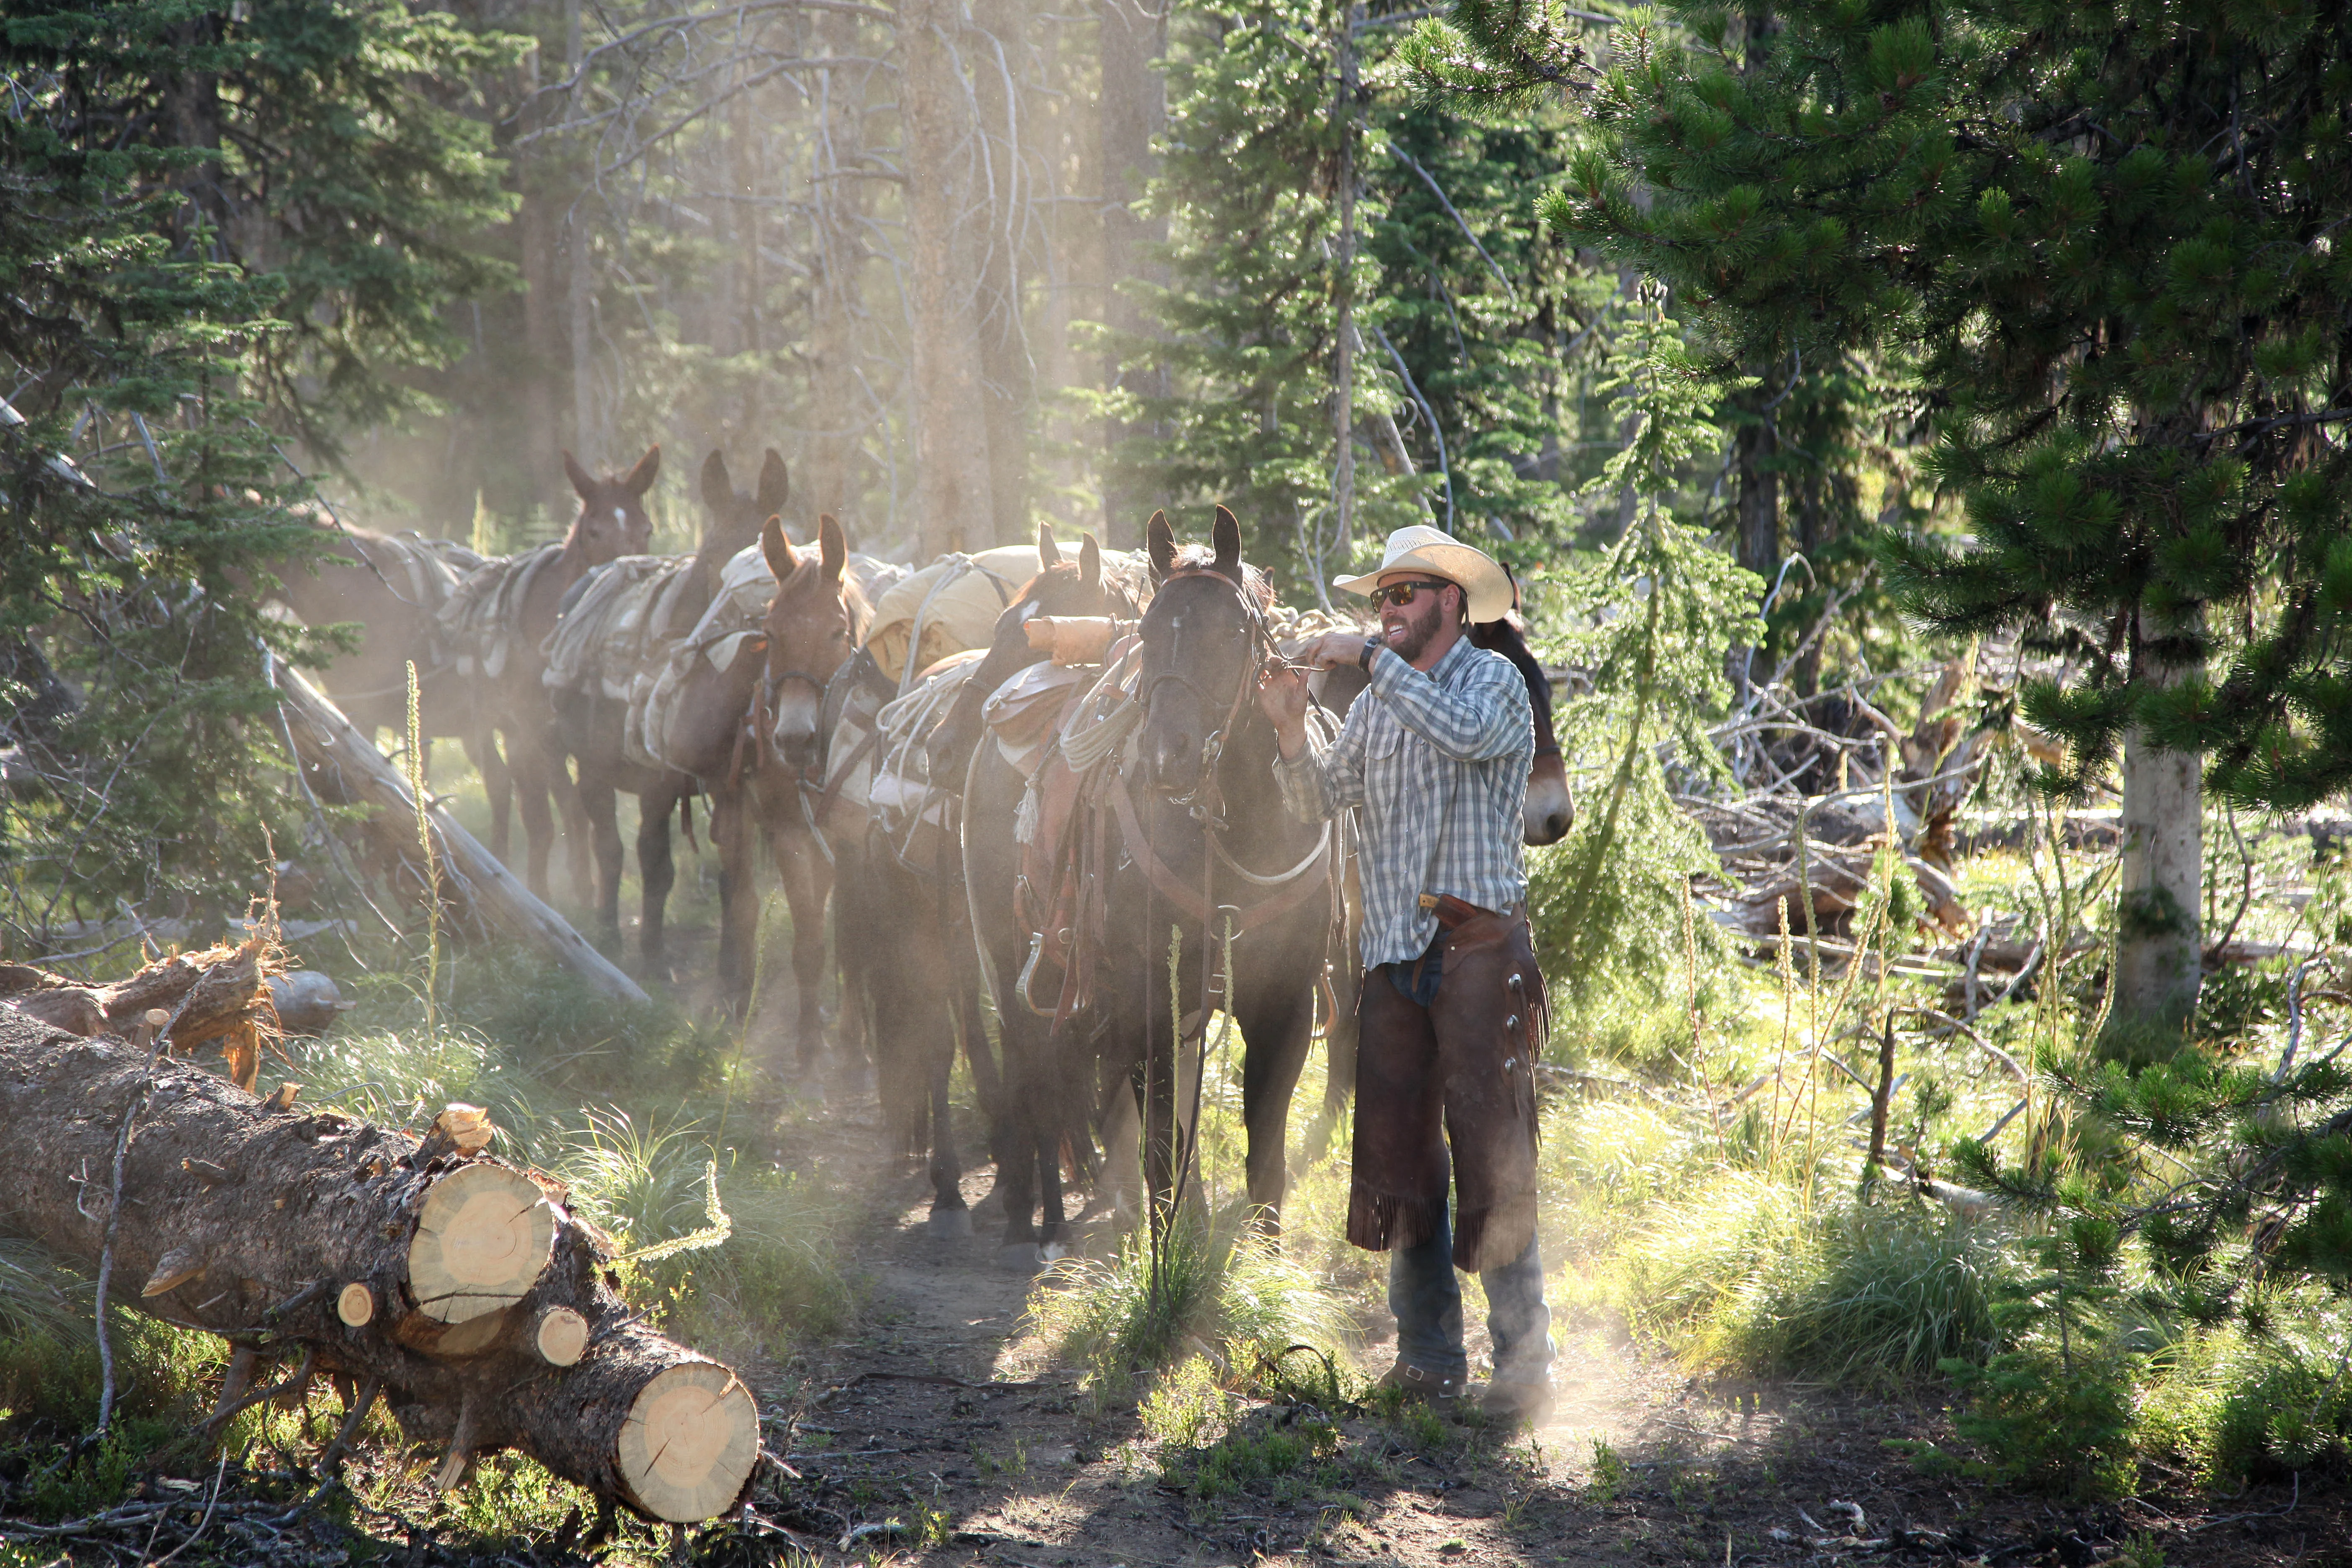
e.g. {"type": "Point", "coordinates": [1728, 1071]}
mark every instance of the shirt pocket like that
{"type": "Point", "coordinates": [1385, 742]}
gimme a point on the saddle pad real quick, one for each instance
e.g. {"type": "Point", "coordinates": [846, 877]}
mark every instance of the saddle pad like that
{"type": "Point", "coordinates": [477, 623]}
{"type": "Point", "coordinates": [618, 627]}
{"type": "Point", "coordinates": [1025, 712]}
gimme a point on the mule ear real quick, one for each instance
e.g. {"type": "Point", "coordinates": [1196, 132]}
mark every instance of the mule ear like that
{"type": "Point", "coordinates": [1226, 535]}
{"type": "Point", "coordinates": [581, 482]}
{"type": "Point", "coordinates": [717, 485]}
{"type": "Point", "coordinates": [1159, 543]}
{"type": "Point", "coordinates": [640, 479]}
{"type": "Point", "coordinates": [1048, 552]}
{"type": "Point", "coordinates": [832, 547]}
{"type": "Point", "coordinates": [1089, 563]}
{"type": "Point", "coordinates": [782, 561]}
{"type": "Point", "coordinates": [775, 485]}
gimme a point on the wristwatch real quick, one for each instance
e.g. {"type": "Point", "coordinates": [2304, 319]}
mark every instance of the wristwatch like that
{"type": "Point", "coordinates": [1371, 647]}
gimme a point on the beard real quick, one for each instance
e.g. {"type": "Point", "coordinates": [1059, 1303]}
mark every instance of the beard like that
{"type": "Point", "coordinates": [1419, 624]}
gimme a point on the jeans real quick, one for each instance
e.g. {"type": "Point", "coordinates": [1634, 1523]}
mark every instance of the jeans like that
{"type": "Point", "coordinates": [1427, 1301]}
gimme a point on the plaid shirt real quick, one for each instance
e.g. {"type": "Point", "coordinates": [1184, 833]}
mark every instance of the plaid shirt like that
{"type": "Point", "coordinates": [1438, 764]}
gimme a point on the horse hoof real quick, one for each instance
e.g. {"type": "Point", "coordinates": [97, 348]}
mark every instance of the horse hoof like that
{"type": "Point", "coordinates": [1021, 1257]}
{"type": "Point", "coordinates": [945, 1224]}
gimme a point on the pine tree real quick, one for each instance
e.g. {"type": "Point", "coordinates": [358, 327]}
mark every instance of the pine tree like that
{"type": "Point", "coordinates": [221, 231]}
{"type": "Point", "coordinates": [1462, 301]}
{"type": "Point", "coordinates": [2107, 233]}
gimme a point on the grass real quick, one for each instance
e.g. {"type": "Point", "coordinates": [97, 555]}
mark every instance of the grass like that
{"type": "Point", "coordinates": [1223, 1294]}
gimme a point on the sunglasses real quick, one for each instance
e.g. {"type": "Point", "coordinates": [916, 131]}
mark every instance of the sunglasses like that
{"type": "Point", "coordinates": [1402, 593]}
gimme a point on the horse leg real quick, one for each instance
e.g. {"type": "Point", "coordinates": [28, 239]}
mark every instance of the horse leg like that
{"type": "Point", "coordinates": [482, 751]}
{"type": "Point", "coordinates": [807, 879]}
{"type": "Point", "coordinates": [951, 1216]}
{"type": "Point", "coordinates": [739, 899]}
{"type": "Point", "coordinates": [1277, 1021]}
{"type": "Point", "coordinates": [527, 761]}
{"type": "Point", "coordinates": [855, 929]}
{"type": "Point", "coordinates": [581, 844]}
{"type": "Point", "coordinates": [659, 869]}
{"type": "Point", "coordinates": [599, 804]}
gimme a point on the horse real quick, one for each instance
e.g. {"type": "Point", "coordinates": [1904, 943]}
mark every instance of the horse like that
{"type": "Point", "coordinates": [500, 614]}
{"type": "Point", "coordinates": [590, 719]}
{"type": "Point", "coordinates": [915, 934]}
{"type": "Point", "coordinates": [1190, 834]}
{"type": "Point", "coordinates": [389, 588]}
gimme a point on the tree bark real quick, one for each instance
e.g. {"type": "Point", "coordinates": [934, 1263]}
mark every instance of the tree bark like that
{"type": "Point", "coordinates": [2158, 950]}
{"type": "Point", "coordinates": [953, 478]}
{"type": "Point", "coordinates": [253, 1220]}
{"type": "Point", "coordinates": [343, 765]}
{"type": "Point", "coordinates": [1133, 106]}
{"type": "Point", "coordinates": [999, 47]}
{"type": "Point", "coordinates": [839, 407]}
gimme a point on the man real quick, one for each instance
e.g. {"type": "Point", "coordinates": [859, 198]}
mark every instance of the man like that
{"type": "Point", "coordinates": [1434, 757]}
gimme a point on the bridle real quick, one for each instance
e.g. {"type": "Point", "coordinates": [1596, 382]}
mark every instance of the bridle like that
{"type": "Point", "coordinates": [1202, 802]}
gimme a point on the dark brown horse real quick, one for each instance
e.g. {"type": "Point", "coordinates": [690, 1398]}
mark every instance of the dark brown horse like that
{"type": "Point", "coordinates": [590, 722]}
{"type": "Point", "coordinates": [911, 929]}
{"type": "Point", "coordinates": [503, 610]}
{"type": "Point", "coordinates": [1193, 836]}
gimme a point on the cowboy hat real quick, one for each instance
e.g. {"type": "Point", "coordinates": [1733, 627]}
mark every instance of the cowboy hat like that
{"type": "Point", "coordinates": [1483, 583]}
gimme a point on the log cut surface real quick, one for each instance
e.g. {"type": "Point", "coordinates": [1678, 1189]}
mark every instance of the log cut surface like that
{"type": "Point", "coordinates": [461, 1260]}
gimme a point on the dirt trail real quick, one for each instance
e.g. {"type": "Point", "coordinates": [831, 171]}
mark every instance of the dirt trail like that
{"type": "Point", "coordinates": [943, 1432]}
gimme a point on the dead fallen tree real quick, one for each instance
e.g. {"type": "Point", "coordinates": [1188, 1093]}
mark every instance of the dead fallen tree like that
{"type": "Point", "coordinates": [218, 995]}
{"type": "Point", "coordinates": [342, 767]}
{"type": "Point", "coordinates": [455, 1287]}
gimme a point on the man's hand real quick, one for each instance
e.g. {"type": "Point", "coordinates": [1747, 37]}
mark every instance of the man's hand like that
{"type": "Point", "coordinates": [1333, 649]}
{"type": "Point", "coordinates": [1281, 697]}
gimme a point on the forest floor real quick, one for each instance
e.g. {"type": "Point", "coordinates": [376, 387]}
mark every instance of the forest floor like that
{"type": "Point", "coordinates": [945, 1423]}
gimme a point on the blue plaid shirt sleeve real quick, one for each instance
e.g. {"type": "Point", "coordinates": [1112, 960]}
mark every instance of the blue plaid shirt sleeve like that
{"type": "Point", "coordinates": [1324, 780]}
{"type": "Point", "coordinates": [1474, 723]}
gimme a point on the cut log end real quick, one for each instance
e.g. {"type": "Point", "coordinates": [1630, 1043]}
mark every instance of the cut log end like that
{"type": "Point", "coordinates": [562, 1337]}
{"type": "Point", "coordinates": [483, 1238]}
{"type": "Point", "coordinates": [689, 1443]}
{"type": "Point", "coordinates": [356, 1305]}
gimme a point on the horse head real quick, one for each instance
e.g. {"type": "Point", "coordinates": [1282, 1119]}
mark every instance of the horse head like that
{"type": "Point", "coordinates": [735, 517]}
{"type": "Point", "coordinates": [812, 626]}
{"type": "Point", "coordinates": [1202, 638]}
{"type": "Point", "coordinates": [611, 521]}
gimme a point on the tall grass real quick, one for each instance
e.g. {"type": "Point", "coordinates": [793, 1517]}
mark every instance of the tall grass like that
{"type": "Point", "coordinates": [1222, 1292]}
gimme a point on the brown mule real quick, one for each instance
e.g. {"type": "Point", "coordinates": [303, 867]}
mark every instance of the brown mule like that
{"type": "Point", "coordinates": [589, 719]}
{"type": "Point", "coordinates": [389, 588]}
{"type": "Point", "coordinates": [503, 612]}
{"type": "Point", "coordinates": [750, 733]}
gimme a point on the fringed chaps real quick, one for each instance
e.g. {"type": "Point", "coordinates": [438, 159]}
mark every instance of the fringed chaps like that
{"type": "Point", "coordinates": [1461, 1072]}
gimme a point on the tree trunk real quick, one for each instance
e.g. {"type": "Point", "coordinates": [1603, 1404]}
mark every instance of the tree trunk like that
{"type": "Point", "coordinates": [1000, 46]}
{"type": "Point", "coordinates": [1133, 106]}
{"type": "Point", "coordinates": [581, 292]}
{"type": "Point", "coordinates": [839, 405]}
{"type": "Point", "coordinates": [953, 483]}
{"type": "Point", "coordinates": [2159, 955]}
{"type": "Point", "coordinates": [414, 1265]}
{"type": "Point", "coordinates": [1343, 337]}
{"type": "Point", "coordinates": [343, 765]}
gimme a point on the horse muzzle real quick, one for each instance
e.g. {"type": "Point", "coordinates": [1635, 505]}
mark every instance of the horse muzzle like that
{"type": "Point", "coordinates": [793, 735]}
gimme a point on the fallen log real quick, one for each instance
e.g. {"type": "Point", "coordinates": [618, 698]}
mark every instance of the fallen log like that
{"type": "Point", "coordinates": [344, 765]}
{"type": "Point", "coordinates": [219, 994]}
{"type": "Point", "coordinates": [454, 1282]}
